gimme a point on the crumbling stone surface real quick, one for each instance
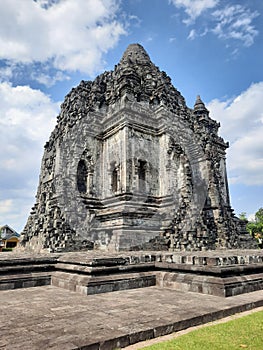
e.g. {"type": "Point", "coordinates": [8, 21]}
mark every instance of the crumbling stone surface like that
{"type": "Point", "coordinates": [129, 165]}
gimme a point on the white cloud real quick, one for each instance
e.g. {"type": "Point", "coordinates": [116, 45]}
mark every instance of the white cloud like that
{"type": "Point", "coordinates": [242, 124]}
{"type": "Point", "coordinates": [135, 20]}
{"type": "Point", "coordinates": [6, 205]}
{"type": "Point", "coordinates": [6, 73]}
{"type": "Point", "coordinates": [192, 34]}
{"type": "Point", "coordinates": [251, 217]}
{"type": "Point", "coordinates": [47, 79]}
{"type": "Point", "coordinates": [26, 112]}
{"type": "Point", "coordinates": [70, 34]}
{"type": "Point", "coordinates": [194, 8]}
{"type": "Point", "coordinates": [231, 22]}
{"type": "Point", "coordinates": [27, 117]}
{"type": "Point", "coordinates": [15, 211]}
{"type": "Point", "coordinates": [235, 22]}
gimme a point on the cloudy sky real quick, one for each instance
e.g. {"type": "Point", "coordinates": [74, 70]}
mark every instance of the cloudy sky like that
{"type": "Point", "coordinates": [209, 47]}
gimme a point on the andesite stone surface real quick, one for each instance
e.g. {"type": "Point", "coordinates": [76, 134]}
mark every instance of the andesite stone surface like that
{"type": "Point", "coordinates": [129, 166]}
{"type": "Point", "coordinates": [54, 318]}
{"type": "Point", "coordinates": [222, 273]}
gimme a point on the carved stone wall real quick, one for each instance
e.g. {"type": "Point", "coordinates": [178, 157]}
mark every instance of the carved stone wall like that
{"type": "Point", "coordinates": [130, 166]}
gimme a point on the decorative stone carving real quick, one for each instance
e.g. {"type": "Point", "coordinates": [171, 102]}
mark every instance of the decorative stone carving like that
{"type": "Point", "coordinates": [127, 164]}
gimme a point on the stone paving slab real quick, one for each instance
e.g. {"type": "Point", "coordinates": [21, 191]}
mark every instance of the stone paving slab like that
{"type": "Point", "coordinates": [53, 318]}
{"type": "Point", "coordinates": [173, 336]}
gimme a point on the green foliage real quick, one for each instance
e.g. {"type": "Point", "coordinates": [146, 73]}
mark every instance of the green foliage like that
{"type": "Point", "coordinates": [255, 228]}
{"type": "Point", "coordinates": [243, 216]}
{"type": "Point", "coordinates": [7, 249]}
{"type": "Point", "coordinates": [259, 216]}
{"type": "Point", "coordinates": [245, 332]}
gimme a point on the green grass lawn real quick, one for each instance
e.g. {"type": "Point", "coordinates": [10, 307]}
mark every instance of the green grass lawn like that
{"type": "Point", "coordinates": [242, 333]}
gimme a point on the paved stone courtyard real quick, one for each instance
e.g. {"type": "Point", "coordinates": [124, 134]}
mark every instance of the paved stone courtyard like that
{"type": "Point", "coordinates": [54, 318]}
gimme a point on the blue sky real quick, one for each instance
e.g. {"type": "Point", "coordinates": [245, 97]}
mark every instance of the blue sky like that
{"type": "Point", "coordinates": [209, 47]}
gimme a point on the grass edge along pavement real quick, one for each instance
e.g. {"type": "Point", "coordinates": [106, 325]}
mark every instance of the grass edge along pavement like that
{"type": "Point", "coordinates": [210, 335]}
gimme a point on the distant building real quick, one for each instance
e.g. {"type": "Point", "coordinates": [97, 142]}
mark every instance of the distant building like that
{"type": "Point", "coordinates": [9, 237]}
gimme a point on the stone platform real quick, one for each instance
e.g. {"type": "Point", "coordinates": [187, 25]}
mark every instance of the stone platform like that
{"type": "Point", "coordinates": [220, 273]}
{"type": "Point", "coordinates": [54, 318]}
{"type": "Point", "coordinates": [154, 295]}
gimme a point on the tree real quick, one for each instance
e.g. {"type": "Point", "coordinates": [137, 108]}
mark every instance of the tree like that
{"type": "Point", "coordinates": [255, 228]}
{"type": "Point", "coordinates": [259, 216]}
{"type": "Point", "coordinates": [243, 216]}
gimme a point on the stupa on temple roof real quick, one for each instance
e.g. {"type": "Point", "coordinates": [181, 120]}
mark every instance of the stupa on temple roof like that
{"type": "Point", "coordinates": [130, 166]}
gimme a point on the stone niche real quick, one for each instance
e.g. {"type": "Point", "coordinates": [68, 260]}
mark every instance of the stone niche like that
{"type": "Point", "coordinates": [130, 166]}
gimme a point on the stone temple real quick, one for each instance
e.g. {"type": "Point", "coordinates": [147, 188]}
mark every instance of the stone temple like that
{"type": "Point", "coordinates": [129, 166]}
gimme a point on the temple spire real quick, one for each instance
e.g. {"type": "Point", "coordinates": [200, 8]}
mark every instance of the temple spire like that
{"type": "Point", "coordinates": [135, 53]}
{"type": "Point", "coordinates": [199, 106]}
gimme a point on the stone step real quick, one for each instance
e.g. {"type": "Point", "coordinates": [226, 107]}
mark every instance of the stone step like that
{"type": "Point", "coordinates": [22, 268]}
{"type": "Point", "coordinates": [84, 269]}
{"type": "Point", "coordinates": [221, 273]}
{"type": "Point", "coordinates": [102, 284]}
{"type": "Point", "coordinates": [213, 285]}
{"type": "Point", "coordinates": [25, 280]}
